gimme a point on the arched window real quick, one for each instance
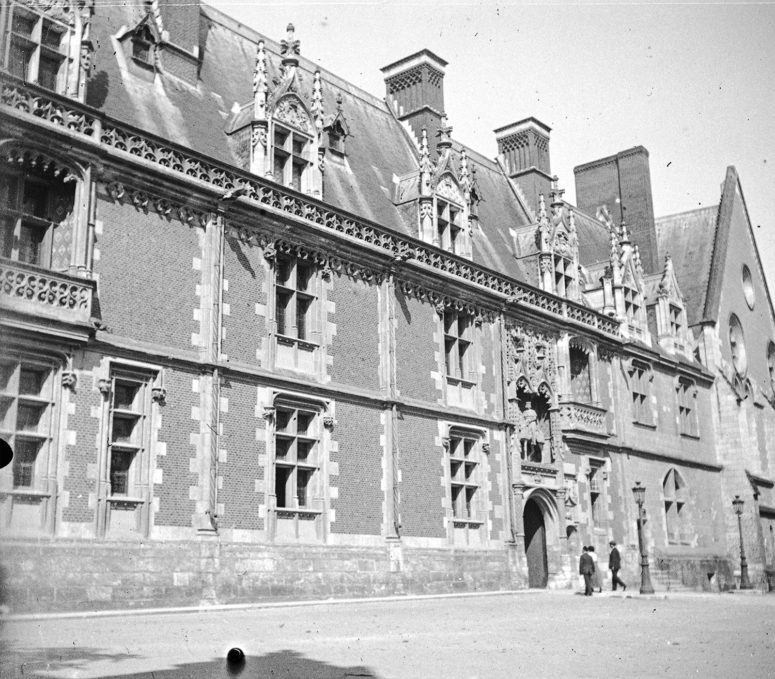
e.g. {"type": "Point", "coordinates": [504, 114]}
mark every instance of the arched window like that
{"type": "Point", "coordinates": [771, 363]}
{"type": "Point", "coordinates": [676, 512]}
{"type": "Point", "coordinates": [737, 346]}
{"type": "Point", "coordinates": [580, 375]}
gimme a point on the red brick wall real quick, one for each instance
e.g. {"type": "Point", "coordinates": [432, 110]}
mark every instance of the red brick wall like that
{"type": "Point", "coordinates": [421, 488]}
{"type": "Point", "coordinates": [497, 461]}
{"type": "Point", "coordinates": [145, 262]}
{"type": "Point", "coordinates": [415, 348]}
{"type": "Point", "coordinates": [241, 469]}
{"type": "Point", "coordinates": [177, 426]}
{"type": "Point", "coordinates": [359, 506]}
{"type": "Point", "coordinates": [355, 347]}
{"type": "Point", "coordinates": [245, 273]}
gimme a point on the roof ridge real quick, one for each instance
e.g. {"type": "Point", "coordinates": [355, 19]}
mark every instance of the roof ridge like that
{"type": "Point", "coordinates": [706, 208]}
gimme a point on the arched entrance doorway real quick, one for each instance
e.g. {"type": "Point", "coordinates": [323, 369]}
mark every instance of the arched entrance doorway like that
{"type": "Point", "coordinates": [535, 544]}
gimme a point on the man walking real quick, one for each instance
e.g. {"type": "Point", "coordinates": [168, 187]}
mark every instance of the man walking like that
{"type": "Point", "coordinates": [614, 564]}
{"type": "Point", "coordinates": [586, 568]}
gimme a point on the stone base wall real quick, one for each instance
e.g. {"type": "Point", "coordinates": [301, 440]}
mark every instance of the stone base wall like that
{"type": "Point", "coordinates": [709, 573]}
{"type": "Point", "coordinates": [58, 576]}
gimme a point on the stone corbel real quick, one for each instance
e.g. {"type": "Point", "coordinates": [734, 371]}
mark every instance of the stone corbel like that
{"type": "Point", "coordinates": [269, 413]}
{"type": "Point", "coordinates": [104, 386]}
{"type": "Point", "coordinates": [440, 308]}
{"type": "Point", "coordinates": [69, 379]}
{"type": "Point", "coordinates": [270, 252]}
{"type": "Point", "coordinates": [329, 422]}
{"type": "Point", "coordinates": [445, 443]}
{"type": "Point", "coordinates": [486, 448]}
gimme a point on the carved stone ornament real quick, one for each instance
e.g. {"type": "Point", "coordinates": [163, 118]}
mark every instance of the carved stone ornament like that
{"type": "Point", "coordinates": [269, 413]}
{"type": "Point", "coordinates": [328, 422]}
{"type": "Point", "coordinates": [159, 395]}
{"type": "Point", "coordinates": [447, 189]}
{"type": "Point", "coordinates": [270, 252]}
{"type": "Point", "coordinates": [291, 111]}
{"type": "Point", "coordinates": [441, 308]}
{"type": "Point", "coordinates": [104, 387]}
{"type": "Point", "coordinates": [69, 379]}
{"type": "Point", "coordinates": [445, 444]}
{"type": "Point", "coordinates": [259, 137]}
{"type": "Point", "coordinates": [486, 448]}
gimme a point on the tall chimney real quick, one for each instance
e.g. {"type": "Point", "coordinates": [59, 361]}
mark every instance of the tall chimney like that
{"type": "Point", "coordinates": [524, 150]}
{"type": "Point", "coordinates": [415, 89]}
{"type": "Point", "coordinates": [623, 183]}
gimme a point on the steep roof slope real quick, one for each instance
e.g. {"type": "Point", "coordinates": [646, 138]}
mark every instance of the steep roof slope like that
{"type": "Point", "coordinates": [688, 238]}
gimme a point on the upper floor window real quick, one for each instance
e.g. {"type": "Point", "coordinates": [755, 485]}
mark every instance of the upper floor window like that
{"type": "Point", "coordinates": [26, 393]}
{"type": "Point", "coordinates": [563, 276]}
{"type": "Point", "coordinates": [580, 375]}
{"type": "Point", "coordinates": [291, 157]}
{"type": "Point", "coordinates": [676, 513]}
{"type": "Point", "coordinates": [32, 207]}
{"type": "Point", "coordinates": [632, 305]}
{"type": "Point", "coordinates": [748, 289]}
{"type": "Point", "coordinates": [143, 46]}
{"type": "Point", "coordinates": [295, 297]}
{"type": "Point", "coordinates": [457, 345]}
{"type": "Point", "coordinates": [675, 314]}
{"type": "Point", "coordinates": [771, 363]}
{"type": "Point", "coordinates": [687, 413]}
{"type": "Point", "coordinates": [449, 219]}
{"type": "Point", "coordinates": [37, 48]}
{"type": "Point", "coordinates": [640, 390]}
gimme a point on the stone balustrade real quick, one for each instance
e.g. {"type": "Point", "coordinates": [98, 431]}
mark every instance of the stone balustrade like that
{"type": "Point", "coordinates": [583, 417]}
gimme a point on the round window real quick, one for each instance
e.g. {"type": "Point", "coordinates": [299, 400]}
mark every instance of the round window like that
{"type": "Point", "coordinates": [748, 291]}
{"type": "Point", "coordinates": [737, 345]}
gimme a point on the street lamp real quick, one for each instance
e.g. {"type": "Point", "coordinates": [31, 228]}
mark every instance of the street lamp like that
{"type": "Point", "coordinates": [645, 577]}
{"type": "Point", "coordinates": [745, 583]}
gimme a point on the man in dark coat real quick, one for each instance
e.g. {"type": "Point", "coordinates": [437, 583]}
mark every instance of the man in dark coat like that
{"type": "Point", "coordinates": [614, 564]}
{"type": "Point", "coordinates": [586, 568]}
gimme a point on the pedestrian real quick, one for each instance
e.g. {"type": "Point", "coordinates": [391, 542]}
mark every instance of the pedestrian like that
{"type": "Point", "coordinates": [596, 577]}
{"type": "Point", "coordinates": [587, 569]}
{"type": "Point", "coordinates": [614, 564]}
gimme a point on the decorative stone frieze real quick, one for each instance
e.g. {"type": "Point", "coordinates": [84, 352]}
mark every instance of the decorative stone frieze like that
{"type": "Point", "coordinates": [144, 201]}
{"type": "Point", "coordinates": [443, 302]}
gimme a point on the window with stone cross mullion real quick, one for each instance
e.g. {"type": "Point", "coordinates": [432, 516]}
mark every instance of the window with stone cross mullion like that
{"type": "Point", "coordinates": [25, 418]}
{"type": "Point", "coordinates": [127, 432]}
{"type": "Point", "coordinates": [463, 474]}
{"type": "Point", "coordinates": [296, 463]}
{"type": "Point", "coordinates": [290, 157]}
{"type": "Point", "coordinates": [448, 225]}
{"type": "Point", "coordinates": [457, 344]}
{"type": "Point", "coordinates": [294, 297]}
{"type": "Point", "coordinates": [36, 48]}
{"type": "Point", "coordinates": [639, 389]}
{"type": "Point", "coordinates": [687, 416]}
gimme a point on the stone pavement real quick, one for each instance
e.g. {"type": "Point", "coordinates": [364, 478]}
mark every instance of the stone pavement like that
{"type": "Point", "coordinates": [532, 633]}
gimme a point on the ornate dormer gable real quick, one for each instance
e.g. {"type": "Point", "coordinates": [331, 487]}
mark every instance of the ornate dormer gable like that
{"type": "Point", "coordinates": [558, 247]}
{"type": "Point", "coordinates": [623, 281]}
{"type": "Point", "coordinates": [443, 199]}
{"type": "Point", "coordinates": [287, 122]}
{"type": "Point", "coordinates": [141, 43]}
{"type": "Point", "coordinates": [666, 307]}
{"type": "Point", "coordinates": [49, 43]}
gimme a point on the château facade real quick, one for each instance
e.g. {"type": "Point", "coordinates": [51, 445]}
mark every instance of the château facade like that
{"type": "Point", "coordinates": [267, 335]}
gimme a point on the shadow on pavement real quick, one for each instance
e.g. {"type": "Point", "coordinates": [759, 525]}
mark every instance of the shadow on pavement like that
{"type": "Point", "coordinates": [70, 662]}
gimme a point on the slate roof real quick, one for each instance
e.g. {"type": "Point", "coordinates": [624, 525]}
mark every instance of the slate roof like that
{"type": "Point", "coordinates": [688, 238]}
{"type": "Point", "coordinates": [378, 151]}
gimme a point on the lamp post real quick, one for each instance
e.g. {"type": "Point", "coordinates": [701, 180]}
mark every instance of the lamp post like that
{"type": "Point", "coordinates": [639, 492]}
{"type": "Point", "coordinates": [745, 583]}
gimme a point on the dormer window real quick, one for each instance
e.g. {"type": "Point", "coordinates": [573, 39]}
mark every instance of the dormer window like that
{"type": "Point", "coordinates": [675, 320]}
{"type": "Point", "coordinates": [631, 305]}
{"type": "Point", "coordinates": [563, 275]}
{"type": "Point", "coordinates": [449, 219]}
{"type": "Point", "coordinates": [290, 160]}
{"type": "Point", "coordinates": [38, 48]}
{"type": "Point", "coordinates": [142, 47]}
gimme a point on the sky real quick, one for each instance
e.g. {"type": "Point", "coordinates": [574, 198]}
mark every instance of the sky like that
{"type": "Point", "coordinates": [690, 81]}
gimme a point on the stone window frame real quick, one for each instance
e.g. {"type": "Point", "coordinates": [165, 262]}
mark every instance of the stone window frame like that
{"type": "Point", "coordinates": [317, 510]}
{"type": "Point", "coordinates": [590, 350]}
{"type": "Point", "coordinates": [42, 489]}
{"type": "Point", "coordinates": [597, 489]}
{"type": "Point", "coordinates": [140, 477]}
{"type": "Point", "coordinates": [737, 347]}
{"type": "Point", "coordinates": [564, 278]}
{"type": "Point", "coordinates": [771, 365]}
{"type": "Point", "coordinates": [38, 45]}
{"type": "Point", "coordinates": [287, 154]}
{"type": "Point", "coordinates": [686, 407]}
{"type": "Point", "coordinates": [449, 230]}
{"type": "Point", "coordinates": [16, 180]}
{"type": "Point", "coordinates": [476, 520]}
{"type": "Point", "coordinates": [640, 379]}
{"type": "Point", "coordinates": [463, 366]}
{"type": "Point", "coordinates": [675, 496]}
{"type": "Point", "coordinates": [749, 291]}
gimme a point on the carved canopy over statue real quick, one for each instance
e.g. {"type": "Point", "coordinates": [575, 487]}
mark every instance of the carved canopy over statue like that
{"type": "Point", "coordinates": [531, 377]}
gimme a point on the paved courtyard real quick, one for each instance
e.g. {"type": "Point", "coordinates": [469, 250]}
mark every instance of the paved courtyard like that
{"type": "Point", "coordinates": [531, 634]}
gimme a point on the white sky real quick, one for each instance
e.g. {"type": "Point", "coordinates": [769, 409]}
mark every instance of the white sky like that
{"type": "Point", "coordinates": [692, 82]}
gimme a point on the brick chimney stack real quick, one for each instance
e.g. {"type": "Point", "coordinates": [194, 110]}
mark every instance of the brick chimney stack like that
{"type": "Point", "coordinates": [622, 182]}
{"type": "Point", "coordinates": [415, 90]}
{"type": "Point", "coordinates": [523, 148]}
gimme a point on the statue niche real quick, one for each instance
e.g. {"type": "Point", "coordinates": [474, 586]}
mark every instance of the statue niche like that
{"type": "Point", "coordinates": [533, 426]}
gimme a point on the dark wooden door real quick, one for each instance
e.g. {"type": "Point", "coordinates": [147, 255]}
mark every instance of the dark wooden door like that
{"type": "Point", "coordinates": [535, 545]}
